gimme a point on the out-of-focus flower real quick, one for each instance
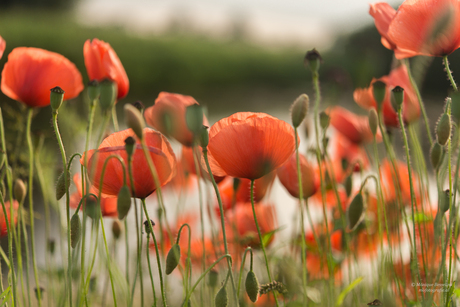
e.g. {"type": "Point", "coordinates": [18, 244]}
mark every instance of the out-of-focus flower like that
{"type": "Point", "coordinates": [160, 151]}
{"type": "Point", "coordinates": [3, 220]}
{"type": "Point", "coordinates": [288, 176]}
{"type": "Point", "coordinates": [102, 62]}
{"type": "Point", "coordinates": [397, 77]}
{"type": "Point", "coordinates": [354, 155]}
{"type": "Point", "coordinates": [167, 115]}
{"type": "Point", "coordinates": [30, 73]}
{"type": "Point", "coordinates": [249, 145]}
{"type": "Point", "coordinates": [189, 163]}
{"type": "Point", "coordinates": [108, 204]}
{"type": "Point", "coordinates": [419, 27]}
{"type": "Point", "coordinates": [390, 179]}
{"type": "Point", "coordinates": [2, 46]}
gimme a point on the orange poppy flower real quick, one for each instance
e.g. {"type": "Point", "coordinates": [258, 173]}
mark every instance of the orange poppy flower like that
{"type": "Point", "coordinates": [108, 204]}
{"type": "Point", "coordinates": [167, 115]}
{"type": "Point", "coordinates": [389, 184]}
{"type": "Point", "coordinates": [30, 73]}
{"type": "Point", "coordinates": [189, 163]}
{"type": "Point", "coordinates": [160, 151]}
{"type": "Point", "coordinates": [288, 176]}
{"type": "Point", "coordinates": [243, 193]}
{"type": "Point", "coordinates": [2, 46]}
{"type": "Point", "coordinates": [3, 221]}
{"type": "Point", "coordinates": [249, 145]}
{"type": "Point", "coordinates": [419, 27]}
{"type": "Point", "coordinates": [352, 126]}
{"type": "Point", "coordinates": [398, 77]}
{"type": "Point", "coordinates": [353, 154]}
{"type": "Point", "coordinates": [102, 62]}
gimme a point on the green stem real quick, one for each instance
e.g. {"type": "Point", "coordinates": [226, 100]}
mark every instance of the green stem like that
{"type": "Point", "coordinates": [31, 207]}
{"type": "Point", "coordinates": [105, 122]}
{"type": "Point", "coordinates": [449, 73]}
{"type": "Point", "coordinates": [160, 273]}
{"type": "Point", "coordinates": [147, 254]}
{"type": "Point", "coordinates": [114, 117]}
{"type": "Point", "coordinates": [108, 258]}
{"type": "Point", "coordinates": [248, 249]}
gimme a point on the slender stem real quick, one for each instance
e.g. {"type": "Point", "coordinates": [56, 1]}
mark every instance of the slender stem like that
{"type": "Point", "coordinates": [420, 101]}
{"type": "Point", "coordinates": [114, 117]}
{"type": "Point", "coordinates": [449, 73]}
{"type": "Point", "coordinates": [125, 222]}
{"type": "Point", "coordinates": [105, 122]}
{"type": "Point", "coordinates": [147, 254]}
{"type": "Point", "coordinates": [160, 273]}
{"type": "Point", "coordinates": [108, 258]}
{"type": "Point", "coordinates": [31, 207]}
{"type": "Point", "coordinates": [222, 222]}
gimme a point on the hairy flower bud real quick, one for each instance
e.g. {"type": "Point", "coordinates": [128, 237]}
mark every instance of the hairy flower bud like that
{"type": "Point", "coordinates": [75, 230]}
{"type": "Point", "coordinates": [221, 299]}
{"type": "Point", "coordinates": [134, 120]}
{"type": "Point", "coordinates": [62, 185]}
{"type": "Point", "coordinates": [436, 155]}
{"type": "Point", "coordinates": [123, 202]}
{"type": "Point", "coordinates": [19, 190]}
{"type": "Point", "coordinates": [252, 286]}
{"type": "Point", "coordinates": [443, 129]}
{"type": "Point", "coordinates": [172, 260]}
{"type": "Point", "coordinates": [299, 110]}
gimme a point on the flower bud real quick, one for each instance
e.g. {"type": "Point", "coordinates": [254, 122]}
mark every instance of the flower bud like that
{"type": "Point", "coordinates": [134, 120]}
{"type": "Point", "coordinates": [252, 286]}
{"type": "Point", "coordinates": [51, 246]}
{"type": "Point", "coordinates": [75, 230]}
{"type": "Point", "coordinates": [123, 202]}
{"type": "Point", "coordinates": [379, 90]}
{"type": "Point", "coordinates": [373, 121]}
{"type": "Point", "coordinates": [19, 190]}
{"type": "Point", "coordinates": [221, 299]}
{"type": "Point", "coordinates": [436, 155]}
{"type": "Point", "coordinates": [108, 94]}
{"type": "Point", "coordinates": [93, 91]}
{"type": "Point", "coordinates": [172, 260]}
{"type": "Point", "coordinates": [443, 129]}
{"type": "Point", "coordinates": [194, 118]}
{"type": "Point", "coordinates": [299, 110]}
{"type": "Point", "coordinates": [93, 209]}
{"type": "Point", "coordinates": [62, 185]}
{"type": "Point", "coordinates": [444, 201]}
{"type": "Point", "coordinates": [324, 120]}
{"type": "Point", "coordinates": [116, 229]}
{"type": "Point", "coordinates": [147, 227]}
{"type": "Point", "coordinates": [204, 137]}
{"type": "Point", "coordinates": [212, 278]}
{"type": "Point", "coordinates": [130, 145]}
{"type": "Point", "coordinates": [56, 98]}
{"type": "Point", "coordinates": [313, 60]}
{"type": "Point", "coordinates": [397, 98]}
{"type": "Point", "coordinates": [355, 212]}
{"type": "Point", "coordinates": [349, 185]}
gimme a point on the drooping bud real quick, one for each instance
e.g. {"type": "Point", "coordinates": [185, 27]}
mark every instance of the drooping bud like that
{"type": "Point", "coordinates": [62, 185]}
{"type": "Point", "coordinates": [139, 105]}
{"type": "Point", "coordinates": [444, 201]}
{"type": "Point", "coordinates": [436, 155]}
{"type": "Point", "coordinates": [56, 98]}
{"type": "Point", "coordinates": [324, 120]}
{"type": "Point", "coordinates": [252, 286]}
{"type": "Point", "coordinates": [443, 129]}
{"type": "Point", "coordinates": [397, 98]}
{"type": "Point", "coordinates": [194, 118]}
{"type": "Point", "coordinates": [313, 60]}
{"type": "Point", "coordinates": [123, 202]}
{"type": "Point", "coordinates": [299, 110]}
{"type": "Point", "coordinates": [108, 94]}
{"type": "Point", "coordinates": [19, 190]}
{"type": "Point", "coordinates": [116, 229]}
{"type": "Point", "coordinates": [147, 226]}
{"type": "Point", "coordinates": [379, 89]}
{"type": "Point", "coordinates": [212, 278]}
{"type": "Point", "coordinates": [93, 91]}
{"type": "Point", "coordinates": [355, 212]}
{"type": "Point", "coordinates": [134, 120]}
{"type": "Point", "coordinates": [204, 137]}
{"type": "Point", "coordinates": [173, 258]}
{"type": "Point", "coordinates": [75, 230]}
{"type": "Point", "coordinates": [130, 145]}
{"type": "Point", "coordinates": [221, 299]}
{"type": "Point", "coordinates": [349, 184]}
{"type": "Point", "coordinates": [93, 209]}
{"type": "Point", "coordinates": [373, 121]}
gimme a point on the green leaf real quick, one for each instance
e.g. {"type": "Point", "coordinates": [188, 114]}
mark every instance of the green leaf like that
{"type": "Point", "coordinates": [347, 290]}
{"type": "Point", "coordinates": [267, 236]}
{"type": "Point", "coordinates": [419, 218]}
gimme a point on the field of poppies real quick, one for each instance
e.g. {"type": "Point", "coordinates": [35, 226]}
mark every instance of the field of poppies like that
{"type": "Point", "coordinates": [176, 211]}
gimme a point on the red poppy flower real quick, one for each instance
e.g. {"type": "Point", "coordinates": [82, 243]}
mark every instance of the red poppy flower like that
{"type": "Point", "coordinates": [160, 151]}
{"type": "Point", "coordinates": [353, 154]}
{"type": "Point", "coordinates": [167, 115]}
{"type": "Point", "coordinates": [2, 46]}
{"type": "Point", "coordinates": [102, 62]}
{"type": "Point", "coordinates": [30, 73]}
{"type": "Point", "coordinates": [3, 221]}
{"type": "Point", "coordinates": [287, 174]}
{"type": "Point", "coordinates": [249, 145]}
{"type": "Point", "coordinates": [389, 183]}
{"type": "Point", "coordinates": [108, 204]}
{"type": "Point", "coordinates": [397, 77]}
{"type": "Point", "coordinates": [419, 27]}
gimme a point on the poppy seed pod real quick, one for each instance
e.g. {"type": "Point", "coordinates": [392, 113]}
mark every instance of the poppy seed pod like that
{"type": "Point", "coordinates": [443, 129]}
{"type": "Point", "coordinates": [299, 110]}
{"type": "Point", "coordinates": [313, 59]}
{"type": "Point", "coordinates": [204, 137]}
{"type": "Point", "coordinates": [173, 258]}
{"type": "Point", "coordinates": [397, 98]}
{"type": "Point", "coordinates": [108, 94]}
{"type": "Point", "coordinates": [130, 145]}
{"type": "Point", "coordinates": [134, 120]}
{"type": "Point", "coordinates": [252, 286]}
{"type": "Point", "coordinates": [75, 230]}
{"type": "Point", "coordinates": [194, 118]}
{"type": "Point", "coordinates": [147, 226]}
{"type": "Point", "coordinates": [221, 299]}
{"type": "Point", "coordinates": [93, 90]}
{"type": "Point", "coordinates": [379, 91]}
{"type": "Point", "coordinates": [324, 120]}
{"type": "Point", "coordinates": [19, 190]}
{"type": "Point", "coordinates": [373, 121]}
{"type": "Point", "coordinates": [56, 98]}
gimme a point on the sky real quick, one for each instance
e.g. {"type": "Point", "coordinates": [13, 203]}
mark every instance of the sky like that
{"type": "Point", "coordinates": [267, 22]}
